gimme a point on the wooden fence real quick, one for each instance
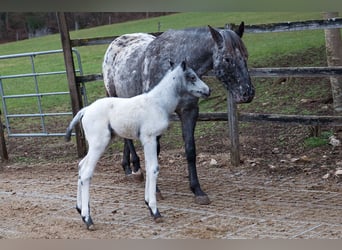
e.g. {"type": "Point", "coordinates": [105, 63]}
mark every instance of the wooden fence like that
{"type": "Point", "coordinates": [232, 116]}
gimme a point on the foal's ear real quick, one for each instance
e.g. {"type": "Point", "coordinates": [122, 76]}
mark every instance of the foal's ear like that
{"type": "Point", "coordinates": [183, 64]}
{"type": "Point", "coordinates": [172, 64]}
{"type": "Point", "coordinates": [240, 30]}
{"type": "Point", "coordinates": [216, 35]}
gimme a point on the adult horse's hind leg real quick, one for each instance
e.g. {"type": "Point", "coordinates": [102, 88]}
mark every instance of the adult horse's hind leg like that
{"type": "Point", "coordinates": [135, 157]}
{"type": "Point", "coordinates": [188, 118]}
{"type": "Point", "coordinates": [129, 150]}
{"type": "Point", "coordinates": [126, 161]}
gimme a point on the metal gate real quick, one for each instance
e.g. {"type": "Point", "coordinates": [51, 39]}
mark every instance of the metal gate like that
{"type": "Point", "coordinates": [34, 96]}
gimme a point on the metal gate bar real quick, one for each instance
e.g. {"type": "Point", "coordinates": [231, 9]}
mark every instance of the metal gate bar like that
{"type": "Point", "coordinates": [37, 93]}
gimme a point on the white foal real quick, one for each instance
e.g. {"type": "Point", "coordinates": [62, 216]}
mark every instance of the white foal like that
{"type": "Point", "coordinates": [142, 117]}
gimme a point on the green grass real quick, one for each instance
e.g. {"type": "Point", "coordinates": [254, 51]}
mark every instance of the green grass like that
{"type": "Point", "coordinates": [263, 49]}
{"type": "Point", "coordinates": [313, 142]}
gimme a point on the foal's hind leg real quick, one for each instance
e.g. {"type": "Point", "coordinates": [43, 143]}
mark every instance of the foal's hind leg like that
{"type": "Point", "coordinates": [86, 171]}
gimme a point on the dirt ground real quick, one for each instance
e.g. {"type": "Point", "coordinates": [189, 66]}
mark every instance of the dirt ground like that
{"type": "Point", "coordinates": [282, 189]}
{"type": "Point", "coordinates": [285, 191]}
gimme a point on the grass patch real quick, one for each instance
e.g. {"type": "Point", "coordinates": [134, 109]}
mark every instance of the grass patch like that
{"type": "Point", "coordinates": [313, 142]}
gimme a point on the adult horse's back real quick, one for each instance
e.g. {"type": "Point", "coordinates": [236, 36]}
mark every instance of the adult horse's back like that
{"type": "Point", "coordinates": [144, 66]}
{"type": "Point", "coordinates": [122, 64]}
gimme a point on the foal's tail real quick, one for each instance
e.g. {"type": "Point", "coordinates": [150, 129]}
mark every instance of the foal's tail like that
{"type": "Point", "coordinates": [72, 124]}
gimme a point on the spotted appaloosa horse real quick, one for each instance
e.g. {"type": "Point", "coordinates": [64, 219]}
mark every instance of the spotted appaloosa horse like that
{"type": "Point", "coordinates": [135, 63]}
{"type": "Point", "coordinates": [142, 117]}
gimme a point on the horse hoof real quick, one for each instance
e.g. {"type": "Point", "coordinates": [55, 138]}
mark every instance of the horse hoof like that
{"type": "Point", "coordinates": [202, 200]}
{"type": "Point", "coordinates": [91, 227]}
{"type": "Point", "coordinates": [88, 222]}
{"type": "Point", "coordinates": [158, 219]}
{"type": "Point", "coordinates": [135, 176]}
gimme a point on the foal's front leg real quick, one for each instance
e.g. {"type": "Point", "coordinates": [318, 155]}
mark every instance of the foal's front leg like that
{"type": "Point", "coordinates": [152, 171]}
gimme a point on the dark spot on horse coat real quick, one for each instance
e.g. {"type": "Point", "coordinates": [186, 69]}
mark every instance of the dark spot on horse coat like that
{"type": "Point", "coordinates": [156, 170]}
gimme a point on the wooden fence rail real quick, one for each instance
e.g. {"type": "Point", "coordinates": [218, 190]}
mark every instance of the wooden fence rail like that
{"type": "Point", "coordinates": [258, 72]}
{"type": "Point", "coordinates": [313, 120]}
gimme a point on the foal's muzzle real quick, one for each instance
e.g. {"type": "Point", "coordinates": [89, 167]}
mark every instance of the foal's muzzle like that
{"type": "Point", "coordinates": [205, 93]}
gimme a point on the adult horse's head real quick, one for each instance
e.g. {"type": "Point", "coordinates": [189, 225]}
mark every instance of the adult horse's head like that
{"type": "Point", "coordinates": [230, 63]}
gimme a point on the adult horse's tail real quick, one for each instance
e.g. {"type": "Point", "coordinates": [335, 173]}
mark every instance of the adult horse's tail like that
{"type": "Point", "coordinates": [72, 124]}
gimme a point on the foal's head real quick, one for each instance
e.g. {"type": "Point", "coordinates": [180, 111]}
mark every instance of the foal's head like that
{"type": "Point", "coordinates": [190, 82]}
{"type": "Point", "coordinates": [230, 63]}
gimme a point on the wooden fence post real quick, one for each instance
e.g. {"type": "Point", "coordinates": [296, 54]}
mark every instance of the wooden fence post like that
{"type": "Point", "coordinates": [3, 148]}
{"type": "Point", "coordinates": [233, 124]}
{"type": "Point", "coordinates": [333, 44]}
{"type": "Point", "coordinates": [74, 88]}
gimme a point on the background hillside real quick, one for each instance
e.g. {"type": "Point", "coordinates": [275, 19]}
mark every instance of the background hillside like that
{"type": "Point", "coordinates": [16, 26]}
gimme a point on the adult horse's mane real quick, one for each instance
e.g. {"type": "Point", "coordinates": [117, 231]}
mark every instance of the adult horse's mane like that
{"type": "Point", "coordinates": [232, 38]}
{"type": "Point", "coordinates": [234, 41]}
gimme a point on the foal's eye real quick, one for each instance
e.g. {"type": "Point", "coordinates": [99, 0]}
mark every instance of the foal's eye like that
{"type": "Point", "coordinates": [191, 78]}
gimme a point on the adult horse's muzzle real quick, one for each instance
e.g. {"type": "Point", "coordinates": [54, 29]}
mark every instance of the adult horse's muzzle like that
{"type": "Point", "coordinates": [242, 90]}
{"type": "Point", "coordinates": [242, 94]}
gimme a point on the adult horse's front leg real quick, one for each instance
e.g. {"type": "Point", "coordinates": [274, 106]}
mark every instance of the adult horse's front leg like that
{"type": "Point", "coordinates": [188, 118]}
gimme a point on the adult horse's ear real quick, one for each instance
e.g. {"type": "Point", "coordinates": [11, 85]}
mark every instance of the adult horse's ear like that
{"type": "Point", "coordinates": [216, 35]}
{"type": "Point", "coordinates": [183, 65]}
{"type": "Point", "coordinates": [241, 29]}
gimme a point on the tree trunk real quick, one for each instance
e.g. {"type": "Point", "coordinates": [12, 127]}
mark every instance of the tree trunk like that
{"type": "Point", "coordinates": [334, 58]}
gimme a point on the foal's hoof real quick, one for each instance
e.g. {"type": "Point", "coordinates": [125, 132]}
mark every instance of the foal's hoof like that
{"type": "Point", "coordinates": [158, 219]}
{"type": "Point", "coordinates": [202, 200]}
{"type": "Point", "coordinates": [89, 223]}
{"type": "Point", "coordinates": [135, 176]}
{"type": "Point", "coordinates": [91, 227]}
